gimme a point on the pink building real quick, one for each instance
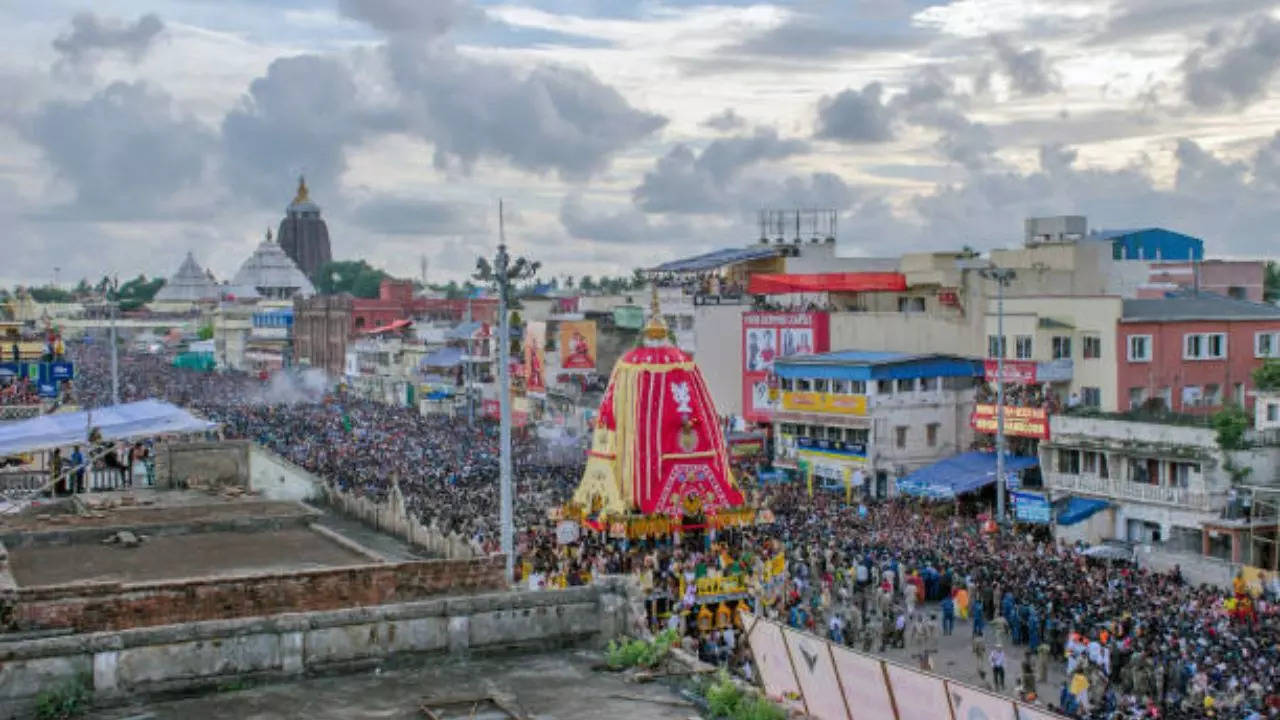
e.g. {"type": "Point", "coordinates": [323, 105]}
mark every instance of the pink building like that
{"type": "Point", "coordinates": [1239, 279]}
{"type": "Point", "coordinates": [1193, 352]}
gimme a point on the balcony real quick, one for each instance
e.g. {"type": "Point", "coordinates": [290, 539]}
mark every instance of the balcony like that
{"type": "Point", "coordinates": [1188, 498]}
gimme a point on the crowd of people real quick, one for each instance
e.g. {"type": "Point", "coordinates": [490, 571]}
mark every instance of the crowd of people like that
{"type": "Point", "coordinates": [1121, 642]}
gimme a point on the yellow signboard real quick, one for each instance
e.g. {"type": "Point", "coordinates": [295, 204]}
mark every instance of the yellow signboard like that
{"type": "Point", "coordinates": [722, 585]}
{"type": "Point", "coordinates": [821, 402]}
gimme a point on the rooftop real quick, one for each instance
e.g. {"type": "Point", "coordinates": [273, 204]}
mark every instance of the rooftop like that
{"type": "Point", "coordinates": [876, 365]}
{"type": "Point", "coordinates": [718, 259]}
{"type": "Point", "coordinates": [1196, 306]}
{"type": "Point", "coordinates": [190, 284]}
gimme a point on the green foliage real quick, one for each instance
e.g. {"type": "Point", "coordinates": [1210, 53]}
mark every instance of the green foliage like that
{"type": "Point", "coordinates": [1230, 423]}
{"type": "Point", "coordinates": [50, 294]}
{"type": "Point", "coordinates": [1267, 376]}
{"type": "Point", "coordinates": [137, 292]}
{"type": "Point", "coordinates": [1271, 282]}
{"type": "Point", "coordinates": [725, 700]}
{"type": "Point", "coordinates": [65, 701]}
{"type": "Point", "coordinates": [350, 276]}
{"type": "Point", "coordinates": [205, 332]}
{"type": "Point", "coordinates": [640, 653]}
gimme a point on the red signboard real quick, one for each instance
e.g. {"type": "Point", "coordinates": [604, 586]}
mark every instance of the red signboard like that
{"type": "Point", "coordinates": [1018, 421]}
{"type": "Point", "coordinates": [1018, 372]}
{"type": "Point", "coordinates": [767, 336]}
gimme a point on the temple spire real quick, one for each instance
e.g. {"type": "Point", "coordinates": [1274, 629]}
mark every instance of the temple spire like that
{"type": "Point", "coordinates": [302, 195]}
{"type": "Point", "coordinates": [655, 330]}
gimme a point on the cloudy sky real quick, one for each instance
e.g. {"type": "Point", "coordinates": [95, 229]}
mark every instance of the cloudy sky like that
{"type": "Point", "coordinates": [623, 133]}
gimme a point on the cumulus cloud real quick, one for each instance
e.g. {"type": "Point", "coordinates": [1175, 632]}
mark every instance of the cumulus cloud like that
{"type": "Point", "coordinates": [1233, 68]}
{"type": "Point", "coordinates": [1028, 69]}
{"type": "Point", "coordinates": [298, 118]}
{"type": "Point", "coordinates": [684, 181]}
{"type": "Point", "coordinates": [624, 226]}
{"type": "Point", "coordinates": [724, 121]}
{"type": "Point", "coordinates": [126, 151]}
{"type": "Point", "coordinates": [547, 118]}
{"type": "Point", "coordinates": [396, 215]}
{"type": "Point", "coordinates": [856, 116]}
{"type": "Point", "coordinates": [420, 18]}
{"type": "Point", "coordinates": [92, 36]}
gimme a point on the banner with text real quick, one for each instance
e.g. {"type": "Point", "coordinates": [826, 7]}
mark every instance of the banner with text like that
{"type": "Point", "coordinates": [767, 336]}
{"type": "Point", "coordinates": [1018, 421]}
{"type": "Point", "coordinates": [1018, 372]}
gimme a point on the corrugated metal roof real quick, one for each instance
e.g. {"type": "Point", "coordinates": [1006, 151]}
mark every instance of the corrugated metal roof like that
{"type": "Point", "coordinates": [1204, 306]}
{"type": "Point", "coordinates": [875, 365]}
{"type": "Point", "coordinates": [718, 258]}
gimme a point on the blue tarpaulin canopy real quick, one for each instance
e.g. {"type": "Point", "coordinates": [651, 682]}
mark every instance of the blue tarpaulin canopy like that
{"type": "Point", "coordinates": [1080, 509]}
{"type": "Point", "coordinates": [960, 474]}
{"type": "Point", "coordinates": [130, 421]}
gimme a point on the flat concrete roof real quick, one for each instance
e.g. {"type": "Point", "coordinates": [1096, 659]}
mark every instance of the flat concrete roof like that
{"type": "Point", "coordinates": [173, 557]}
{"type": "Point", "coordinates": [558, 685]}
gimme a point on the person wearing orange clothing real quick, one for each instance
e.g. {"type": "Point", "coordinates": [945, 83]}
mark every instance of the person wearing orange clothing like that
{"type": "Point", "coordinates": [961, 598]}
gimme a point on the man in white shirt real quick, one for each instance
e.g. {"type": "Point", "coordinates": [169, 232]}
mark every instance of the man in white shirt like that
{"type": "Point", "coordinates": [997, 667]}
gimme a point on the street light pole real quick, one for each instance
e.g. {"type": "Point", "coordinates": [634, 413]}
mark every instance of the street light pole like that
{"type": "Point", "coordinates": [115, 362]}
{"type": "Point", "coordinates": [1002, 277]}
{"type": "Point", "coordinates": [501, 273]}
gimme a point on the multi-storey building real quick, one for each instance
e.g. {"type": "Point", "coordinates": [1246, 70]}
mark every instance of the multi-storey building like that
{"type": "Point", "coordinates": [1193, 352]}
{"type": "Point", "coordinates": [882, 414]}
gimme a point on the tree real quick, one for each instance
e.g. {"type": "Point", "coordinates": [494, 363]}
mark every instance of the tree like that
{"type": "Point", "coordinates": [1271, 282]}
{"type": "Point", "coordinates": [137, 292]}
{"type": "Point", "coordinates": [1230, 423]}
{"type": "Point", "coordinates": [351, 276]}
{"type": "Point", "coordinates": [1267, 376]}
{"type": "Point", "coordinates": [586, 283]}
{"type": "Point", "coordinates": [568, 282]}
{"type": "Point", "coordinates": [638, 280]}
{"type": "Point", "coordinates": [50, 294]}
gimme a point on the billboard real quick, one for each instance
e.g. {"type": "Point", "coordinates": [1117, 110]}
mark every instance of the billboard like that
{"type": "Point", "coordinates": [1018, 421]}
{"type": "Point", "coordinates": [535, 357]}
{"type": "Point", "coordinates": [1031, 508]}
{"type": "Point", "coordinates": [823, 402]}
{"type": "Point", "coordinates": [767, 336]}
{"type": "Point", "coordinates": [578, 345]}
{"type": "Point", "coordinates": [770, 651]}
{"type": "Point", "coordinates": [1018, 372]}
{"type": "Point", "coordinates": [862, 682]}
{"type": "Point", "coordinates": [918, 696]}
{"type": "Point", "coordinates": [970, 704]}
{"type": "Point", "coordinates": [816, 672]}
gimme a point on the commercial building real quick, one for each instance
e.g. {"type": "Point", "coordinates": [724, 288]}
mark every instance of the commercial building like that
{"type": "Point", "coordinates": [874, 415]}
{"type": "Point", "coordinates": [1193, 352]}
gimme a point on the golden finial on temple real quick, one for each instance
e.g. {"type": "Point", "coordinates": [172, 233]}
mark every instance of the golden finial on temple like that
{"type": "Point", "coordinates": [302, 195]}
{"type": "Point", "coordinates": [656, 328]}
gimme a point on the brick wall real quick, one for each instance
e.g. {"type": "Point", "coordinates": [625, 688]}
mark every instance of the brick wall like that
{"type": "Point", "coordinates": [115, 606]}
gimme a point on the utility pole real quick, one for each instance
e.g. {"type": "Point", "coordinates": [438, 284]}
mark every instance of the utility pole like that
{"type": "Point", "coordinates": [501, 273]}
{"type": "Point", "coordinates": [468, 368]}
{"type": "Point", "coordinates": [1002, 277]}
{"type": "Point", "coordinates": [115, 361]}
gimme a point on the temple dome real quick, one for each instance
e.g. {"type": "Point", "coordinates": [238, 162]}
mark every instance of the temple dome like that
{"type": "Point", "coordinates": [189, 285]}
{"type": "Point", "coordinates": [269, 273]}
{"type": "Point", "coordinates": [303, 235]}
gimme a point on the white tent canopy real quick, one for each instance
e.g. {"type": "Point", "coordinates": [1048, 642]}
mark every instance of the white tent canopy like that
{"type": "Point", "coordinates": [130, 421]}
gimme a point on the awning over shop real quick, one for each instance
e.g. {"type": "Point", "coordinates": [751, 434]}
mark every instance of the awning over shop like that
{"type": "Point", "coordinates": [130, 421]}
{"type": "Point", "coordinates": [1080, 509]}
{"type": "Point", "coordinates": [828, 282]}
{"type": "Point", "coordinates": [960, 474]}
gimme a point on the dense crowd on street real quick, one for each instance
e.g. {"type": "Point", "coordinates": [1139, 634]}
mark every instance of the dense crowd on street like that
{"type": "Point", "coordinates": [1121, 642]}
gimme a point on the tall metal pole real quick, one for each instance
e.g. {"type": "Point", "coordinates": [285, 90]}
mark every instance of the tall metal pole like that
{"type": "Point", "coordinates": [1000, 346]}
{"type": "Point", "coordinates": [468, 370]}
{"type": "Point", "coordinates": [115, 362]}
{"type": "Point", "coordinates": [504, 402]}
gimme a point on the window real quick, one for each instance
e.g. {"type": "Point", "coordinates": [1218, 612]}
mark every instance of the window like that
{"type": "Point", "coordinates": [930, 384]}
{"type": "Point", "coordinates": [1139, 348]}
{"type": "Point", "coordinates": [1091, 396]}
{"type": "Point", "coordinates": [900, 436]}
{"type": "Point", "coordinates": [1165, 396]}
{"type": "Point", "coordinates": [995, 346]}
{"type": "Point", "coordinates": [1192, 395]}
{"type": "Point", "coordinates": [1061, 347]}
{"type": "Point", "coordinates": [1022, 347]}
{"type": "Point", "coordinates": [857, 436]}
{"type": "Point", "coordinates": [1204, 346]}
{"type": "Point", "coordinates": [906, 385]}
{"type": "Point", "coordinates": [834, 433]}
{"type": "Point", "coordinates": [884, 387]}
{"type": "Point", "coordinates": [858, 387]}
{"type": "Point", "coordinates": [1069, 462]}
{"type": "Point", "coordinates": [787, 384]}
{"type": "Point", "coordinates": [815, 432]}
{"type": "Point", "coordinates": [1273, 412]}
{"type": "Point", "coordinates": [820, 385]}
{"type": "Point", "coordinates": [931, 434]}
{"type": "Point", "coordinates": [1137, 397]}
{"type": "Point", "coordinates": [1266, 344]}
{"type": "Point", "coordinates": [1090, 463]}
{"type": "Point", "coordinates": [1092, 348]}
{"type": "Point", "coordinates": [910, 304]}
{"type": "Point", "coordinates": [1212, 395]}
{"type": "Point", "coordinates": [786, 429]}
{"type": "Point", "coordinates": [804, 385]}
{"type": "Point", "coordinates": [1237, 392]}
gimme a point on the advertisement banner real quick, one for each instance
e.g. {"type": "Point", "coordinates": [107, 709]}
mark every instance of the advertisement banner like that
{"type": "Point", "coordinates": [1018, 372]}
{"type": "Point", "coordinates": [1031, 508]}
{"type": "Point", "coordinates": [919, 696]}
{"type": "Point", "coordinates": [970, 704]}
{"type": "Point", "coordinates": [1018, 421]}
{"type": "Point", "coordinates": [578, 345]}
{"type": "Point", "coordinates": [831, 403]}
{"type": "Point", "coordinates": [770, 651]}
{"type": "Point", "coordinates": [862, 680]}
{"type": "Point", "coordinates": [535, 357]}
{"type": "Point", "coordinates": [817, 675]}
{"type": "Point", "coordinates": [767, 336]}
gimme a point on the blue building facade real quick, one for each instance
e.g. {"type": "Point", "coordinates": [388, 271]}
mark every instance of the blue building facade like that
{"type": "Point", "coordinates": [1151, 244]}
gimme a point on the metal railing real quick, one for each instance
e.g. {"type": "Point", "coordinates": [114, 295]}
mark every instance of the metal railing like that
{"type": "Point", "coordinates": [1115, 488]}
